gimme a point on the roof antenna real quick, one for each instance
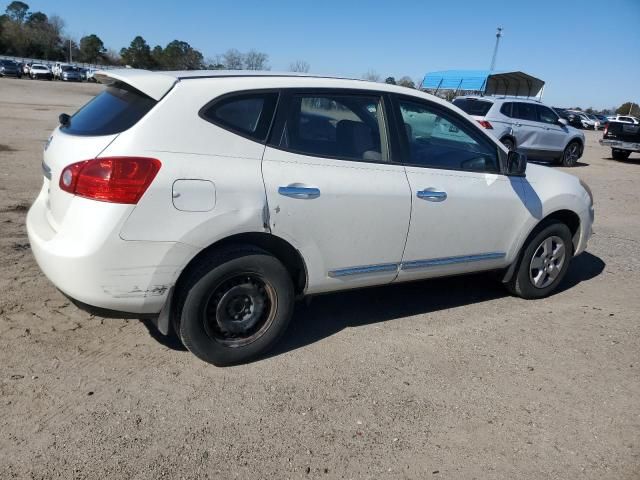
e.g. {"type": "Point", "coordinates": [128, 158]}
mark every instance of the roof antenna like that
{"type": "Point", "coordinates": [495, 49]}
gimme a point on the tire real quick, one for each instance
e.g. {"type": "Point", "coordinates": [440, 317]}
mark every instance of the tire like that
{"type": "Point", "coordinates": [571, 154]}
{"type": "Point", "coordinates": [225, 286]}
{"type": "Point", "coordinates": [620, 154]}
{"type": "Point", "coordinates": [507, 142]}
{"type": "Point", "coordinates": [529, 282]}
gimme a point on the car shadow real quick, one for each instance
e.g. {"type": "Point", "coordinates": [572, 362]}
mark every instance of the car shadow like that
{"type": "Point", "coordinates": [556, 164]}
{"type": "Point", "coordinates": [328, 314]}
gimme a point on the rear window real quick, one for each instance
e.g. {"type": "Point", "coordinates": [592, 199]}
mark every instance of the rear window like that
{"type": "Point", "coordinates": [115, 110]}
{"type": "Point", "coordinates": [473, 106]}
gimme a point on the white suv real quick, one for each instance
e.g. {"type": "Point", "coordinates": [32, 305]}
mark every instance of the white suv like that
{"type": "Point", "coordinates": [528, 126]}
{"type": "Point", "coordinates": [211, 200]}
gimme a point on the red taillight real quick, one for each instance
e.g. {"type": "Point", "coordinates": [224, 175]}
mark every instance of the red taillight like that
{"type": "Point", "coordinates": [110, 179]}
{"type": "Point", "coordinates": [485, 124]}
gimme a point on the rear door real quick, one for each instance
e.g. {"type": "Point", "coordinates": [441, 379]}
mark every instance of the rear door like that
{"type": "Point", "coordinates": [332, 190]}
{"type": "Point", "coordinates": [527, 130]}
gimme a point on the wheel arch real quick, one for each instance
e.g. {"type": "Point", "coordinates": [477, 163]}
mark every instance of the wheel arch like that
{"type": "Point", "coordinates": [570, 218]}
{"type": "Point", "coordinates": [511, 137]}
{"type": "Point", "coordinates": [286, 253]}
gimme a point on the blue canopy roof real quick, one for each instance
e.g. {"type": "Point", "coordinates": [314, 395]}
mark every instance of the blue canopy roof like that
{"type": "Point", "coordinates": [485, 81]}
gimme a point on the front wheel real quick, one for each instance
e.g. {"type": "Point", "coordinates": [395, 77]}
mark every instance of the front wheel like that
{"type": "Point", "coordinates": [543, 263]}
{"type": "Point", "coordinates": [620, 154]}
{"type": "Point", "coordinates": [571, 154]}
{"type": "Point", "coordinates": [235, 306]}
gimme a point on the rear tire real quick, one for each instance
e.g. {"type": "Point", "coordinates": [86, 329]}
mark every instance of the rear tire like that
{"type": "Point", "coordinates": [620, 154]}
{"type": "Point", "coordinates": [571, 154]}
{"type": "Point", "coordinates": [235, 306]}
{"type": "Point", "coordinates": [543, 262]}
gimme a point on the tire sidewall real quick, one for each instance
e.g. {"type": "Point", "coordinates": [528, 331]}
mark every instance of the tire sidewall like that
{"type": "Point", "coordinates": [524, 286]}
{"type": "Point", "coordinates": [192, 330]}
{"type": "Point", "coordinates": [564, 154]}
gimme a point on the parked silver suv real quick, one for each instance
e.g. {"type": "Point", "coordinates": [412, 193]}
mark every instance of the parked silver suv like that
{"type": "Point", "coordinates": [526, 125]}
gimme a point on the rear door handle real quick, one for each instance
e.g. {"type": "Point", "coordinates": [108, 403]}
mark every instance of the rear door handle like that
{"type": "Point", "coordinates": [432, 195]}
{"type": "Point", "coordinates": [298, 191]}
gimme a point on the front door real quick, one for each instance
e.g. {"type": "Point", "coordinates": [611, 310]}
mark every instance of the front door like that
{"type": "Point", "coordinates": [466, 216]}
{"type": "Point", "coordinates": [332, 191]}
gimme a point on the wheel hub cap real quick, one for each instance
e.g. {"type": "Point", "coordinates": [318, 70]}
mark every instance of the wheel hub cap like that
{"type": "Point", "coordinates": [547, 261]}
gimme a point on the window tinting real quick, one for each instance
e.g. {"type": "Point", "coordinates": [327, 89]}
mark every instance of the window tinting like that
{"type": "Point", "coordinates": [506, 109]}
{"type": "Point", "coordinates": [525, 111]}
{"type": "Point", "coordinates": [336, 126]}
{"type": "Point", "coordinates": [116, 109]}
{"type": "Point", "coordinates": [248, 114]}
{"type": "Point", "coordinates": [438, 140]}
{"type": "Point", "coordinates": [546, 115]}
{"type": "Point", "coordinates": [473, 106]}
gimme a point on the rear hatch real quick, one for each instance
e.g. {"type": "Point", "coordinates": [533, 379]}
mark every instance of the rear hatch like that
{"type": "Point", "coordinates": [623, 132]}
{"type": "Point", "coordinates": [87, 133]}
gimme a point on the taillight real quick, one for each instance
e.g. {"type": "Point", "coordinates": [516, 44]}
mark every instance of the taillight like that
{"type": "Point", "coordinates": [110, 179]}
{"type": "Point", "coordinates": [485, 124]}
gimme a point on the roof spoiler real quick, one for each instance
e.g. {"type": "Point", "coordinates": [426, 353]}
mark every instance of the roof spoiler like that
{"type": "Point", "coordinates": [154, 84]}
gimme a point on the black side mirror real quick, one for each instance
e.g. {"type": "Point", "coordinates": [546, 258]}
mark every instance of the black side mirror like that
{"type": "Point", "coordinates": [516, 164]}
{"type": "Point", "coordinates": [64, 119]}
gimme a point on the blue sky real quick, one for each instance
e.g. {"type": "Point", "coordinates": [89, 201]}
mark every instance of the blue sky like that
{"type": "Point", "coordinates": [586, 50]}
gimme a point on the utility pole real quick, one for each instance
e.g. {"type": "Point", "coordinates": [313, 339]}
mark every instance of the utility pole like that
{"type": "Point", "coordinates": [70, 59]}
{"type": "Point", "coordinates": [495, 49]}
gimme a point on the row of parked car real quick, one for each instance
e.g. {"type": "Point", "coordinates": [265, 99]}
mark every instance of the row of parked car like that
{"type": "Point", "coordinates": [57, 71]}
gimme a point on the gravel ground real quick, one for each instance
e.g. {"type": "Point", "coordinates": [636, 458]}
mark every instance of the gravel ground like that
{"type": "Point", "coordinates": [447, 379]}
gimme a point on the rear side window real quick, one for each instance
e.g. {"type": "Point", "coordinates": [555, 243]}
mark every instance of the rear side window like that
{"type": "Point", "coordinates": [505, 109]}
{"type": "Point", "coordinates": [115, 110]}
{"type": "Point", "coordinates": [525, 111]}
{"type": "Point", "coordinates": [248, 114]}
{"type": "Point", "coordinates": [473, 106]}
{"type": "Point", "coordinates": [348, 127]}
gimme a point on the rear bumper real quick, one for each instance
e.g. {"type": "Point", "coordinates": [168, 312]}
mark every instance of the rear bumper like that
{"type": "Point", "coordinates": [620, 145]}
{"type": "Point", "coordinates": [87, 260]}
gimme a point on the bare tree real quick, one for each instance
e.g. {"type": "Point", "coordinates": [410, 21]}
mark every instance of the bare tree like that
{"type": "Point", "coordinates": [299, 66]}
{"type": "Point", "coordinates": [406, 82]}
{"type": "Point", "coordinates": [371, 75]}
{"type": "Point", "coordinates": [233, 60]}
{"type": "Point", "coordinates": [254, 60]}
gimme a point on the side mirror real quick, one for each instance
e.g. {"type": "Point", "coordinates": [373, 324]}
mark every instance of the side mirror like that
{"type": "Point", "coordinates": [64, 119]}
{"type": "Point", "coordinates": [563, 122]}
{"type": "Point", "coordinates": [516, 164]}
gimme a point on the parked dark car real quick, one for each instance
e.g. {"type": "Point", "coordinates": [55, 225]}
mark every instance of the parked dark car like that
{"type": "Point", "coordinates": [70, 74]}
{"type": "Point", "coordinates": [572, 118]}
{"type": "Point", "coordinates": [622, 138]}
{"type": "Point", "coordinates": [9, 68]}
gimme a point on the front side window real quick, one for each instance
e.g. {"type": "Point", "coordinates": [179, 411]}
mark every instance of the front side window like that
{"type": "Point", "coordinates": [249, 114]}
{"type": "Point", "coordinates": [546, 115]}
{"type": "Point", "coordinates": [440, 140]}
{"type": "Point", "coordinates": [349, 127]}
{"type": "Point", "coordinates": [525, 111]}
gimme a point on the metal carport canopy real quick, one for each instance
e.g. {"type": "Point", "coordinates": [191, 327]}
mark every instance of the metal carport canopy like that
{"type": "Point", "coordinates": [518, 84]}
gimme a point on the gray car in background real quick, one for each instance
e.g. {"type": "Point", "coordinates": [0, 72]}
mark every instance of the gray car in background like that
{"type": "Point", "coordinates": [527, 126]}
{"type": "Point", "coordinates": [70, 74]}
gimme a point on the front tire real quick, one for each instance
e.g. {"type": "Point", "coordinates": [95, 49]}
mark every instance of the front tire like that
{"type": "Point", "coordinates": [620, 154]}
{"type": "Point", "coordinates": [571, 154]}
{"type": "Point", "coordinates": [543, 262]}
{"type": "Point", "coordinates": [235, 306]}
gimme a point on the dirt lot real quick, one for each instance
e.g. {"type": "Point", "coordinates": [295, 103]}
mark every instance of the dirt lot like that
{"type": "Point", "coordinates": [442, 379]}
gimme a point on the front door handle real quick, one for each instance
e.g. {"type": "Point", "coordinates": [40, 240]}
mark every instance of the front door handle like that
{"type": "Point", "coordinates": [518, 124]}
{"type": "Point", "coordinates": [432, 195]}
{"type": "Point", "coordinates": [298, 191]}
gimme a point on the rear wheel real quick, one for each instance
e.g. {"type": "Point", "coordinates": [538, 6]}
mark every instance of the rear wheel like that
{"type": "Point", "coordinates": [543, 262]}
{"type": "Point", "coordinates": [620, 154]}
{"type": "Point", "coordinates": [571, 154]}
{"type": "Point", "coordinates": [235, 306]}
